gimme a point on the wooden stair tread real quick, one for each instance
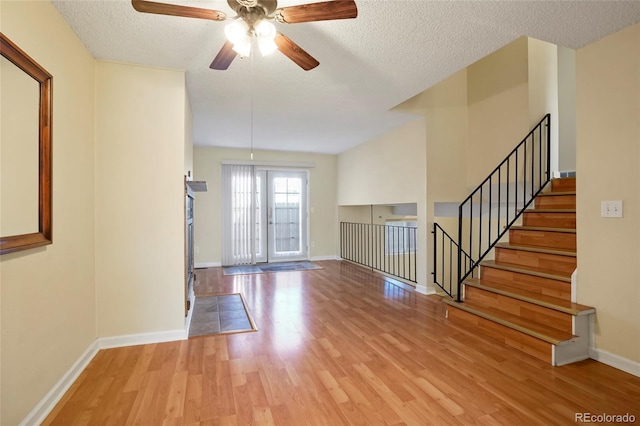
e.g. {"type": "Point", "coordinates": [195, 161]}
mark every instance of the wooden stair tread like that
{"type": "Point", "coordinates": [536, 249]}
{"type": "Point", "coordinates": [531, 297]}
{"type": "Point", "coordinates": [529, 270]}
{"type": "Point", "coordinates": [546, 229]}
{"type": "Point", "coordinates": [534, 210]}
{"type": "Point", "coordinates": [556, 193]}
{"type": "Point", "coordinates": [533, 329]}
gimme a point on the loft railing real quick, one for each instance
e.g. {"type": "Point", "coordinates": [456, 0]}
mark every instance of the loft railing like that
{"type": "Point", "coordinates": [386, 248]}
{"type": "Point", "coordinates": [494, 206]}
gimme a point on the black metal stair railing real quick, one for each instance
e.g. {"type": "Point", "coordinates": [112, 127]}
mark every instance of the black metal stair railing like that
{"type": "Point", "coordinates": [494, 206]}
{"type": "Point", "coordinates": [386, 248]}
{"type": "Point", "coordinates": [445, 267]}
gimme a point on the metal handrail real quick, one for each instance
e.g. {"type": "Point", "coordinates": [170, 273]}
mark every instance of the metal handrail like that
{"type": "Point", "coordinates": [535, 173]}
{"type": "Point", "coordinates": [443, 277]}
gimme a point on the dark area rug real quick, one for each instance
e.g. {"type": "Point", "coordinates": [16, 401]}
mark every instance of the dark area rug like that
{"type": "Point", "coordinates": [269, 267]}
{"type": "Point", "coordinates": [223, 314]}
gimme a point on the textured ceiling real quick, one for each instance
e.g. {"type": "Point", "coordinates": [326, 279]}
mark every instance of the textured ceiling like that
{"type": "Point", "coordinates": [389, 53]}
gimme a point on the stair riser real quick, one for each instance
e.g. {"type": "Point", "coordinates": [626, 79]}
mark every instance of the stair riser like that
{"type": "Point", "coordinates": [556, 202]}
{"type": "Point", "coordinates": [549, 239]}
{"type": "Point", "coordinates": [563, 185]}
{"type": "Point", "coordinates": [554, 262]}
{"type": "Point", "coordinates": [550, 220]}
{"type": "Point", "coordinates": [532, 283]}
{"type": "Point", "coordinates": [550, 317]}
{"type": "Point", "coordinates": [513, 338]}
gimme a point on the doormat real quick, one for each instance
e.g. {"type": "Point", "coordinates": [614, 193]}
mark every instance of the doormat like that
{"type": "Point", "coordinates": [269, 267]}
{"type": "Point", "coordinates": [222, 314]}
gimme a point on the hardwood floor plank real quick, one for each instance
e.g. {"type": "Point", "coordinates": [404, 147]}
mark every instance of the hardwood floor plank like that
{"type": "Point", "coordinates": [193, 398]}
{"type": "Point", "coordinates": [337, 346]}
{"type": "Point", "coordinates": [177, 395]}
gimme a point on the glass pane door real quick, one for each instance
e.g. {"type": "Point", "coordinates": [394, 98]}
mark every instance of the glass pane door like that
{"type": "Point", "coordinates": [287, 215]}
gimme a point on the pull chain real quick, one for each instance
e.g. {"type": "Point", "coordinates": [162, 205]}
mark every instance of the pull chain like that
{"type": "Point", "coordinates": [251, 91]}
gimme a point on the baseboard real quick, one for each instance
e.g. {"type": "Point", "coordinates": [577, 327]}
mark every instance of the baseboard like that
{"type": "Point", "coordinates": [615, 361]}
{"type": "Point", "coordinates": [46, 404]}
{"type": "Point", "coordinates": [320, 258]}
{"type": "Point", "coordinates": [422, 289]}
{"type": "Point", "coordinates": [142, 339]}
{"type": "Point", "coordinates": [203, 265]}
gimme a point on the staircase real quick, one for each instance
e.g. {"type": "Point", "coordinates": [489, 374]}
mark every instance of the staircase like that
{"type": "Point", "coordinates": [523, 297]}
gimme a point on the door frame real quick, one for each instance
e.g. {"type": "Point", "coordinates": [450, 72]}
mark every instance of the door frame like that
{"type": "Point", "coordinates": [268, 195]}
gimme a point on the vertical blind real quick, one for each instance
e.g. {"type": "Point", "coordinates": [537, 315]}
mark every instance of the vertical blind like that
{"type": "Point", "coordinates": [238, 214]}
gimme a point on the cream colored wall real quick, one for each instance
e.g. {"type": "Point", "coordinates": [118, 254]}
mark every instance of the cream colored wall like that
{"type": "Point", "coordinates": [567, 109]}
{"type": "Point", "coordinates": [445, 111]}
{"type": "Point", "coordinates": [608, 168]}
{"type": "Point", "coordinates": [323, 216]}
{"type": "Point", "coordinates": [386, 170]}
{"type": "Point", "coordinates": [498, 101]}
{"type": "Point", "coordinates": [389, 170]}
{"type": "Point", "coordinates": [188, 136]}
{"type": "Point", "coordinates": [543, 91]}
{"type": "Point", "coordinates": [47, 314]}
{"type": "Point", "coordinates": [140, 150]}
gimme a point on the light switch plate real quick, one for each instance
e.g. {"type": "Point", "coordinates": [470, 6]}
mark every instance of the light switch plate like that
{"type": "Point", "coordinates": [611, 208]}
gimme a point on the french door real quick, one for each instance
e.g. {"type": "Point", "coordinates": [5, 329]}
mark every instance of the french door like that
{"type": "Point", "coordinates": [281, 215]}
{"type": "Point", "coordinates": [264, 216]}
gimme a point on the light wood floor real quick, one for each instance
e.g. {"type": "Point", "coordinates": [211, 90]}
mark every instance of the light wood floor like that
{"type": "Point", "coordinates": [337, 346]}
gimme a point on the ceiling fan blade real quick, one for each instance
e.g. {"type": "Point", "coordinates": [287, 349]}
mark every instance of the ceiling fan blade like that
{"type": "Point", "coordinates": [295, 52]}
{"type": "Point", "coordinates": [225, 56]}
{"type": "Point", "coordinates": [323, 11]}
{"type": "Point", "coordinates": [177, 10]}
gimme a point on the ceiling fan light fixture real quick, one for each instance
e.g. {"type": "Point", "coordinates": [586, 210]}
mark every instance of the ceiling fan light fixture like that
{"type": "Point", "coordinates": [265, 33]}
{"type": "Point", "coordinates": [237, 32]}
{"type": "Point", "coordinates": [243, 47]}
{"type": "Point", "coordinates": [266, 46]}
{"type": "Point", "coordinates": [265, 30]}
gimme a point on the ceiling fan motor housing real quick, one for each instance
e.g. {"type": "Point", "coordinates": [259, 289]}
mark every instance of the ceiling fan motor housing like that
{"type": "Point", "coordinates": [253, 10]}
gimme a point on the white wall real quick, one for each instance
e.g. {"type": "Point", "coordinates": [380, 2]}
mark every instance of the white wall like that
{"type": "Point", "coordinates": [140, 151]}
{"type": "Point", "coordinates": [608, 168]}
{"type": "Point", "coordinates": [48, 300]}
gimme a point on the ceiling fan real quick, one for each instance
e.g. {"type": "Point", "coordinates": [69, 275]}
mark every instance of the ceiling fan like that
{"type": "Point", "coordinates": [252, 21]}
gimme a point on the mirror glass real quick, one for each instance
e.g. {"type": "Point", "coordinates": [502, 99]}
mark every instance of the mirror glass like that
{"type": "Point", "coordinates": [19, 144]}
{"type": "Point", "coordinates": [26, 100]}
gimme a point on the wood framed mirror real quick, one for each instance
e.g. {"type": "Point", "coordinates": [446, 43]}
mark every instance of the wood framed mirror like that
{"type": "Point", "coordinates": [25, 150]}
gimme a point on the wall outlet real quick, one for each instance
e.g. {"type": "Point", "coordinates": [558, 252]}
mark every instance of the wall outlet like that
{"type": "Point", "coordinates": [611, 208]}
{"type": "Point", "coordinates": [196, 249]}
